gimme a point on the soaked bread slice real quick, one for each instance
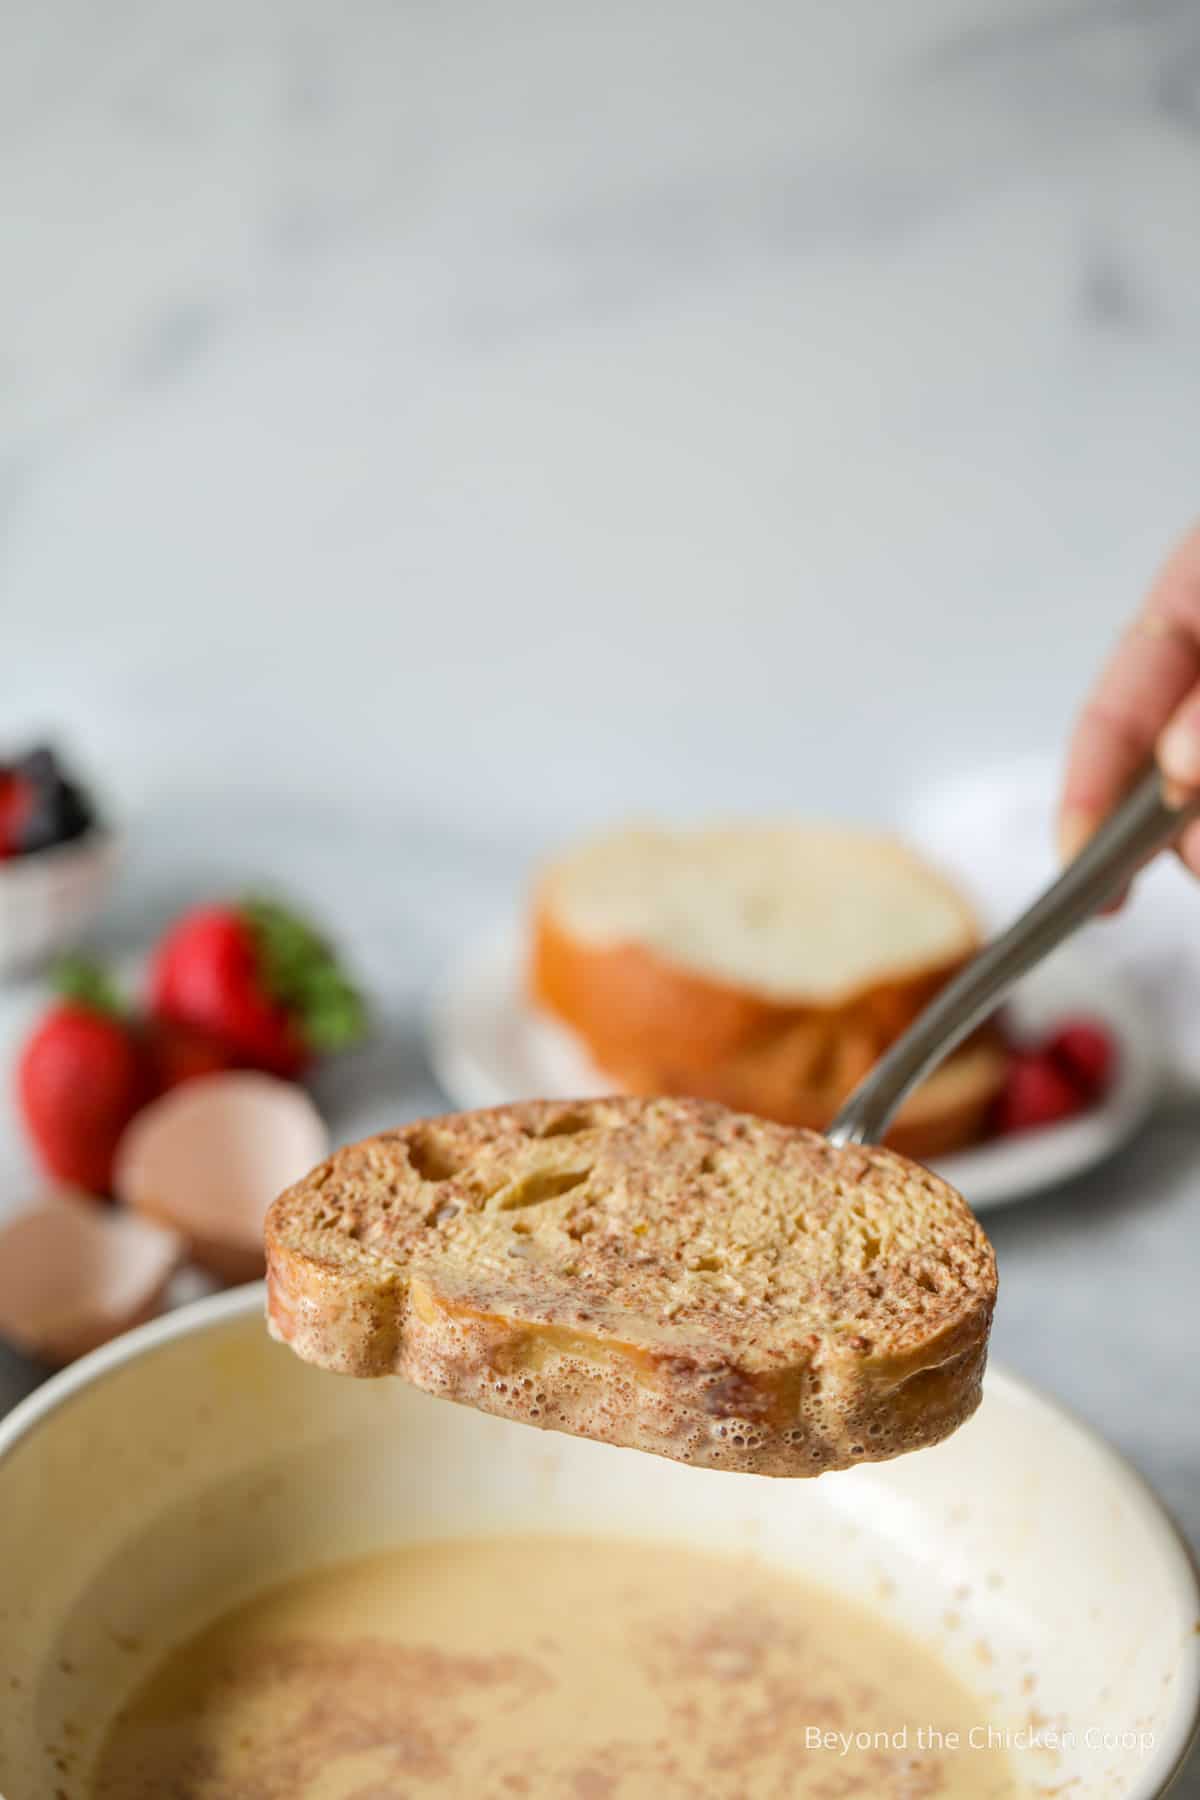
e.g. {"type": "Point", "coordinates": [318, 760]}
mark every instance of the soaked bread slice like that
{"type": "Point", "coordinates": [664, 1274]}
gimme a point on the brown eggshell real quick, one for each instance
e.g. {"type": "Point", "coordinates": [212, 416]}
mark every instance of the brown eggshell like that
{"type": "Point", "coordinates": [74, 1273]}
{"type": "Point", "coordinates": [207, 1159]}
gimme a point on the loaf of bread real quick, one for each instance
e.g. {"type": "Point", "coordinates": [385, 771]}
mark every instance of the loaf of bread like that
{"type": "Point", "coordinates": [664, 1274]}
{"type": "Point", "coordinates": [765, 966]}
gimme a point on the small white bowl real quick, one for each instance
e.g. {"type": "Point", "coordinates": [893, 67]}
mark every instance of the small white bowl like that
{"type": "Point", "coordinates": [49, 898]}
{"type": "Point", "coordinates": [171, 1474]}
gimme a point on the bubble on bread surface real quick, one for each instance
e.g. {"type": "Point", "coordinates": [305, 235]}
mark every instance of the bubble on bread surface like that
{"type": "Point", "coordinates": [538, 1186]}
{"type": "Point", "coordinates": [566, 1124]}
{"type": "Point", "coordinates": [434, 1156]}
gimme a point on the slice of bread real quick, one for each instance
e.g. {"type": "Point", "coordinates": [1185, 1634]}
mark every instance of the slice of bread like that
{"type": "Point", "coordinates": [948, 1110]}
{"type": "Point", "coordinates": [664, 1274]}
{"type": "Point", "coordinates": [765, 966]}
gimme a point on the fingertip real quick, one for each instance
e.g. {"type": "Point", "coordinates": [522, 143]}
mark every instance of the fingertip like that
{"type": "Point", "coordinates": [1179, 747]}
{"type": "Point", "coordinates": [1189, 847]}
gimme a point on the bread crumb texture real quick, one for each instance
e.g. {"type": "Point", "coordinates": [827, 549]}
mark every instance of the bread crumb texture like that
{"type": "Point", "coordinates": [663, 1274]}
{"type": "Point", "coordinates": [788, 911]}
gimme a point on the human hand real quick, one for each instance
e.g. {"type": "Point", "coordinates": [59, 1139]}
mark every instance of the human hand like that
{"type": "Point", "coordinates": [1146, 702]}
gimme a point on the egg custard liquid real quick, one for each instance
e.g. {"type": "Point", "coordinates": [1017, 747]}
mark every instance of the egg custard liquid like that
{"type": "Point", "coordinates": [549, 1667]}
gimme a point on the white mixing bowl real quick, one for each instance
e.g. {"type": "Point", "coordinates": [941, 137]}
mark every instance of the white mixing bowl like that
{"type": "Point", "coordinates": [169, 1475]}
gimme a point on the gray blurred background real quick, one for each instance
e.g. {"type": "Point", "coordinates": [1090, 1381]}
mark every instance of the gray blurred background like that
{"type": "Point", "coordinates": [426, 430]}
{"type": "Point", "coordinates": [489, 420]}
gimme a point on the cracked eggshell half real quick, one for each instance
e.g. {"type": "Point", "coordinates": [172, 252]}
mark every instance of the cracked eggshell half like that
{"type": "Point", "coordinates": [208, 1158]}
{"type": "Point", "coordinates": [75, 1273]}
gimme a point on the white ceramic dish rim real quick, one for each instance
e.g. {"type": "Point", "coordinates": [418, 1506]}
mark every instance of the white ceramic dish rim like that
{"type": "Point", "coordinates": [69, 1384]}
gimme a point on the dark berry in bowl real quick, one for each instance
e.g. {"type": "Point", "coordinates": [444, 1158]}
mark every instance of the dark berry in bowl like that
{"type": "Point", "coordinates": [41, 805]}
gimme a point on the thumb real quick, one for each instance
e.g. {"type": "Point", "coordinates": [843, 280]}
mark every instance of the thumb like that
{"type": "Point", "coordinates": [1179, 743]}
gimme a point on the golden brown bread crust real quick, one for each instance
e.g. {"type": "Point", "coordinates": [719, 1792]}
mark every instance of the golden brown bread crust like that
{"type": "Point", "coordinates": [658, 1027]}
{"type": "Point", "coordinates": [617, 996]}
{"type": "Point", "coordinates": [663, 1274]}
{"type": "Point", "coordinates": [948, 1111]}
{"type": "Point", "coordinates": [657, 1023]}
{"type": "Point", "coordinates": [952, 1108]}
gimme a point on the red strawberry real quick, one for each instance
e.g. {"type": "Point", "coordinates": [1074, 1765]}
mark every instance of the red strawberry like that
{"type": "Point", "coordinates": [260, 981]}
{"type": "Point", "coordinates": [16, 798]}
{"type": "Point", "coordinates": [1036, 1092]}
{"type": "Point", "coordinates": [81, 1077]}
{"type": "Point", "coordinates": [1086, 1053]}
{"type": "Point", "coordinates": [206, 974]}
{"type": "Point", "coordinates": [177, 1053]}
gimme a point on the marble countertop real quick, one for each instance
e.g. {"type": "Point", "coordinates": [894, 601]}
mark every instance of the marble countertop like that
{"type": "Point", "coordinates": [428, 430]}
{"type": "Point", "coordinates": [510, 423]}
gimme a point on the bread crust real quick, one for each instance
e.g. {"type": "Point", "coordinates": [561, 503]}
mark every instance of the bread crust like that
{"type": "Point", "coordinates": [617, 996]}
{"type": "Point", "coordinates": [620, 1303]}
{"type": "Point", "coordinates": [657, 1027]}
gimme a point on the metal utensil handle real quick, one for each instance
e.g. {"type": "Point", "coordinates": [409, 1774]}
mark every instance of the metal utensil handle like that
{"type": "Point", "coordinates": [1143, 823]}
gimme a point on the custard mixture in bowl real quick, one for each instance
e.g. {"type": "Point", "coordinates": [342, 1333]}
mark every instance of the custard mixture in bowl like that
{"type": "Point", "coordinates": [551, 1665]}
{"type": "Point", "coordinates": [226, 1576]}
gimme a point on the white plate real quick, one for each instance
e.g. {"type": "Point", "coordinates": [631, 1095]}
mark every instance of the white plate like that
{"type": "Point", "coordinates": [488, 1045]}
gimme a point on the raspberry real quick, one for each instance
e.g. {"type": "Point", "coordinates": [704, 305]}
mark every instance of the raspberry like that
{"type": "Point", "coordinates": [1086, 1053]}
{"type": "Point", "coordinates": [1036, 1092]}
{"type": "Point", "coordinates": [15, 803]}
